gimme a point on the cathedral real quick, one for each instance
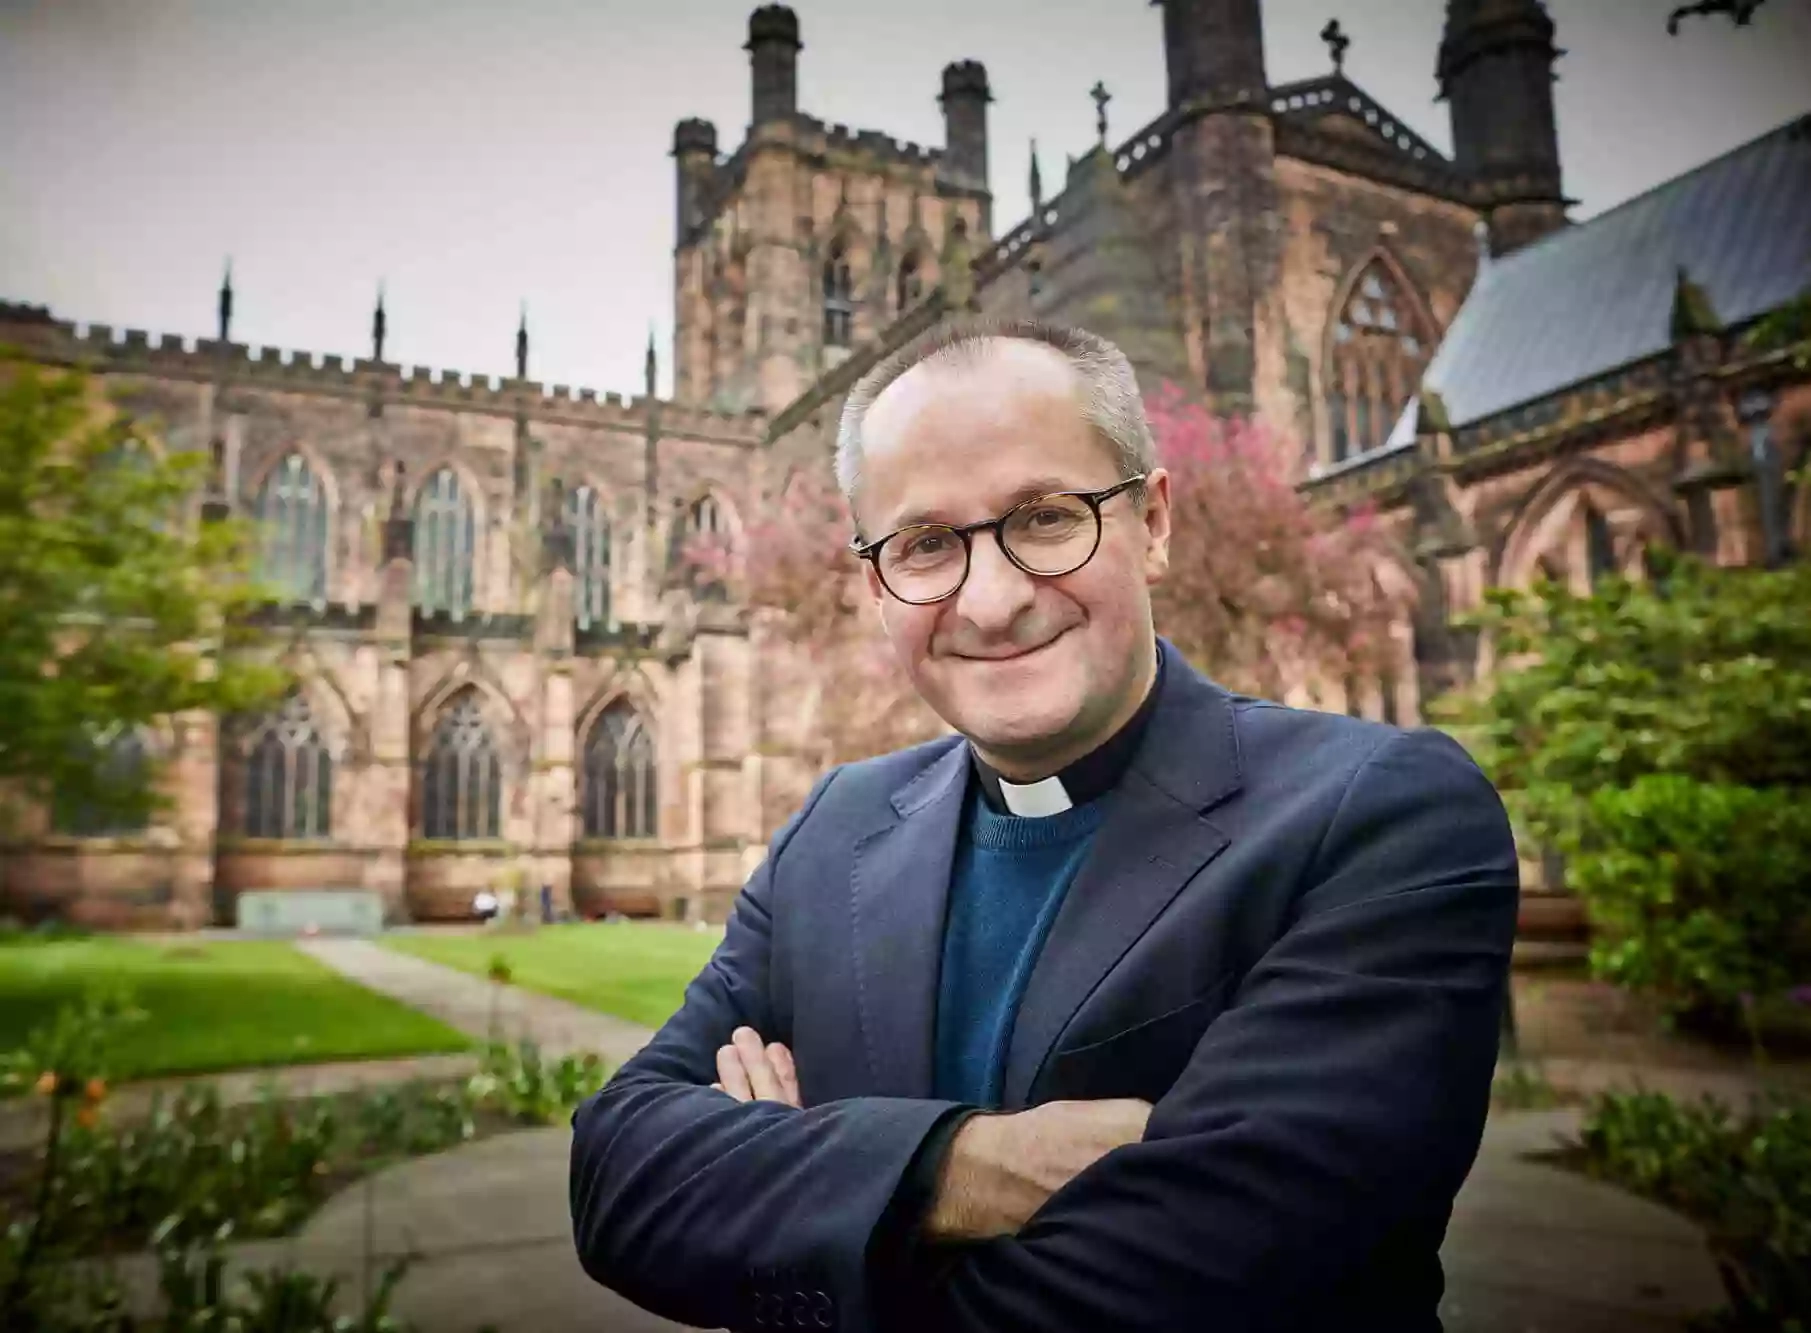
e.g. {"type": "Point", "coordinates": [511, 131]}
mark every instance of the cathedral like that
{"type": "Point", "coordinates": [507, 677]}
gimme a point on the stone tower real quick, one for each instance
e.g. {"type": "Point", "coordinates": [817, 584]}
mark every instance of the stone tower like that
{"type": "Point", "coordinates": [773, 55]}
{"type": "Point", "coordinates": [1225, 189]}
{"type": "Point", "coordinates": [808, 239]}
{"type": "Point", "coordinates": [964, 99]}
{"type": "Point", "coordinates": [1496, 73]}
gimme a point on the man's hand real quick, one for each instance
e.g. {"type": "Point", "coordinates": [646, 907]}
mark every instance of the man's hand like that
{"type": "Point", "coordinates": [1001, 1168]}
{"type": "Point", "coordinates": [752, 1072]}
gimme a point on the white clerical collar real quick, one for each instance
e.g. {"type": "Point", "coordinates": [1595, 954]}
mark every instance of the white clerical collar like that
{"type": "Point", "coordinates": [1047, 796]}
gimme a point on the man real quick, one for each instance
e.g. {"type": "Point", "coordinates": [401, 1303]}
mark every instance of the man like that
{"type": "Point", "coordinates": [1135, 1005]}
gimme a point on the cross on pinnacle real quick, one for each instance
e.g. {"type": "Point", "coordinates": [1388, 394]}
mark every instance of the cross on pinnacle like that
{"type": "Point", "coordinates": [1101, 97]}
{"type": "Point", "coordinates": [1337, 42]}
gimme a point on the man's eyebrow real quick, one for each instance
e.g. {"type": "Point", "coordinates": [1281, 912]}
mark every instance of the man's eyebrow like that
{"type": "Point", "coordinates": [1029, 491]}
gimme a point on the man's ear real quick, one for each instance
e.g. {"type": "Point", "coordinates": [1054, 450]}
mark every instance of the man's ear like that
{"type": "Point", "coordinates": [1156, 518]}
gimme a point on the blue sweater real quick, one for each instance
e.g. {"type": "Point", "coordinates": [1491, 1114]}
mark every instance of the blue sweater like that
{"type": "Point", "coordinates": [1008, 880]}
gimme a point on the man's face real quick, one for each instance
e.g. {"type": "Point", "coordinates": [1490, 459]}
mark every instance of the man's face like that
{"type": "Point", "coordinates": [1036, 671]}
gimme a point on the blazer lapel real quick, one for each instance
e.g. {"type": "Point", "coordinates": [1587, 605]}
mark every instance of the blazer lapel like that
{"type": "Point", "coordinates": [1152, 841]}
{"type": "Point", "coordinates": [899, 889]}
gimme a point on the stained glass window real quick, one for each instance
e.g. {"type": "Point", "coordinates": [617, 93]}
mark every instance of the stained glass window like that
{"type": "Point", "coordinates": [445, 537]}
{"type": "Point", "coordinates": [292, 509]}
{"type": "Point", "coordinates": [619, 777]}
{"type": "Point", "coordinates": [461, 778]}
{"type": "Point", "coordinates": [1379, 353]}
{"type": "Point", "coordinates": [288, 776]}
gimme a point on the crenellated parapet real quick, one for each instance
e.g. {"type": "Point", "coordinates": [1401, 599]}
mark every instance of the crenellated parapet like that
{"type": "Point", "coordinates": [105, 350]}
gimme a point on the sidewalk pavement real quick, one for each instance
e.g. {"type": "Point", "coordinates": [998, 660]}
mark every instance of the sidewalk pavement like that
{"type": "Point", "coordinates": [1532, 1248]}
{"type": "Point", "coordinates": [464, 1002]}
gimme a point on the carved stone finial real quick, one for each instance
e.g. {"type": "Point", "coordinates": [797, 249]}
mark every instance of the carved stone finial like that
{"type": "Point", "coordinates": [522, 344]}
{"type": "Point", "coordinates": [1037, 181]}
{"type": "Point", "coordinates": [378, 325]}
{"type": "Point", "coordinates": [226, 302]}
{"type": "Point", "coordinates": [1337, 44]}
{"type": "Point", "coordinates": [649, 364]}
{"type": "Point", "coordinates": [1101, 97]}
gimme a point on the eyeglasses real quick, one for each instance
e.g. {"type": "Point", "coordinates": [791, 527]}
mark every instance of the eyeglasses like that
{"type": "Point", "coordinates": [1048, 536]}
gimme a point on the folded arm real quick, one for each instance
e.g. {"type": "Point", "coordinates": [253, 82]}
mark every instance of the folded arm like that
{"type": "Point", "coordinates": [1331, 1112]}
{"type": "Point", "coordinates": [717, 1212]}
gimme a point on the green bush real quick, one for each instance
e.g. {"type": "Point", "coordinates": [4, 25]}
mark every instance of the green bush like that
{"type": "Point", "coordinates": [1699, 890]}
{"type": "Point", "coordinates": [1746, 1180]}
{"type": "Point", "coordinates": [1658, 735]}
{"type": "Point", "coordinates": [197, 1171]}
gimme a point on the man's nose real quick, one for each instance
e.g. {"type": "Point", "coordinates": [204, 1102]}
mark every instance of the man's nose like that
{"type": "Point", "coordinates": [996, 590]}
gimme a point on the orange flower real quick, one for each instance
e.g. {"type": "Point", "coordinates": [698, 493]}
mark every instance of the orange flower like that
{"type": "Point", "coordinates": [96, 1089]}
{"type": "Point", "coordinates": [46, 1084]}
{"type": "Point", "coordinates": [85, 1117]}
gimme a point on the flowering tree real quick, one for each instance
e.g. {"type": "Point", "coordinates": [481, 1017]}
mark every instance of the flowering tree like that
{"type": "Point", "coordinates": [1264, 592]}
{"type": "Point", "coordinates": [835, 691]}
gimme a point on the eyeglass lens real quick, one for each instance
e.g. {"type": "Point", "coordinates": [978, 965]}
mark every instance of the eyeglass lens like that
{"type": "Point", "coordinates": [1052, 535]}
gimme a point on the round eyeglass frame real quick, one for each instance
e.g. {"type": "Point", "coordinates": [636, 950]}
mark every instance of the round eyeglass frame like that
{"type": "Point", "coordinates": [870, 551]}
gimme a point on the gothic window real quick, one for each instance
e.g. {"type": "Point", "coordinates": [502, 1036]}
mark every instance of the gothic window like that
{"type": "Point", "coordinates": [839, 298]}
{"type": "Point", "coordinates": [288, 776]}
{"type": "Point", "coordinates": [122, 765]}
{"type": "Point", "coordinates": [704, 519]}
{"type": "Point", "coordinates": [1600, 546]}
{"type": "Point", "coordinates": [911, 283]}
{"type": "Point", "coordinates": [445, 539]}
{"type": "Point", "coordinates": [619, 789]}
{"type": "Point", "coordinates": [461, 778]}
{"type": "Point", "coordinates": [590, 524]}
{"type": "Point", "coordinates": [1379, 352]}
{"type": "Point", "coordinates": [292, 509]}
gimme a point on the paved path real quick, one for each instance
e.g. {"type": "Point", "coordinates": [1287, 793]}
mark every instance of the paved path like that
{"type": "Point", "coordinates": [465, 1002]}
{"type": "Point", "coordinates": [1532, 1248]}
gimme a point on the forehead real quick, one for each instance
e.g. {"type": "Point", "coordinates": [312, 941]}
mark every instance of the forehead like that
{"type": "Point", "coordinates": [961, 439]}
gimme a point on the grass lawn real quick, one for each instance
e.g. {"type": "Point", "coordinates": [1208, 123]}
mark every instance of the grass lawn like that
{"type": "Point", "coordinates": [222, 1004]}
{"type": "Point", "coordinates": [637, 970]}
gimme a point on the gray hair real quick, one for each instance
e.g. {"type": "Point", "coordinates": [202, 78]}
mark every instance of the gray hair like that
{"type": "Point", "coordinates": [1110, 397]}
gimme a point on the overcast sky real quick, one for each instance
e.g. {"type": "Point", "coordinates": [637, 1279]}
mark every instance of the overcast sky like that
{"type": "Point", "coordinates": [475, 154]}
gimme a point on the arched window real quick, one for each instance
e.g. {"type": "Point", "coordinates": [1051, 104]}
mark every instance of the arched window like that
{"type": "Point", "coordinates": [1380, 349]}
{"type": "Point", "coordinates": [292, 509]}
{"type": "Point", "coordinates": [288, 776]}
{"type": "Point", "coordinates": [590, 524]}
{"type": "Point", "coordinates": [619, 792]}
{"type": "Point", "coordinates": [704, 519]}
{"type": "Point", "coordinates": [445, 538]}
{"type": "Point", "coordinates": [122, 768]}
{"type": "Point", "coordinates": [839, 298]}
{"type": "Point", "coordinates": [461, 778]}
{"type": "Point", "coordinates": [911, 282]}
{"type": "Point", "coordinates": [1600, 545]}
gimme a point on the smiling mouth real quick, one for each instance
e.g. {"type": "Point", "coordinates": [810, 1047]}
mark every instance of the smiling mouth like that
{"type": "Point", "coordinates": [1018, 656]}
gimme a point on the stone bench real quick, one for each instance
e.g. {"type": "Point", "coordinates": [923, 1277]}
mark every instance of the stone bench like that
{"type": "Point", "coordinates": [324, 911]}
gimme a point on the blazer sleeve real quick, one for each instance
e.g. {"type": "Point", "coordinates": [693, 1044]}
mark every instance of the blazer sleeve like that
{"type": "Point", "coordinates": [718, 1213]}
{"type": "Point", "coordinates": [1334, 1108]}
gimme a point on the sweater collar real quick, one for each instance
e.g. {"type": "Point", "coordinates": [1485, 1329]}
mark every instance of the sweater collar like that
{"type": "Point", "coordinates": [1077, 783]}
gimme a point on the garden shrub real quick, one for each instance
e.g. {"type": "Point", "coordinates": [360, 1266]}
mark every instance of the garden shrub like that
{"type": "Point", "coordinates": [1745, 1179]}
{"type": "Point", "coordinates": [1658, 735]}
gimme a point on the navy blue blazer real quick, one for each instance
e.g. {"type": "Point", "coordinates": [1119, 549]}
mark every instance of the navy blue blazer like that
{"type": "Point", "coordinates": [1292, 936]}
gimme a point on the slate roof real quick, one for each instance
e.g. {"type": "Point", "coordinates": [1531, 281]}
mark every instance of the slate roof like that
{"type": "Point", "coordinates": [1594, 297]}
